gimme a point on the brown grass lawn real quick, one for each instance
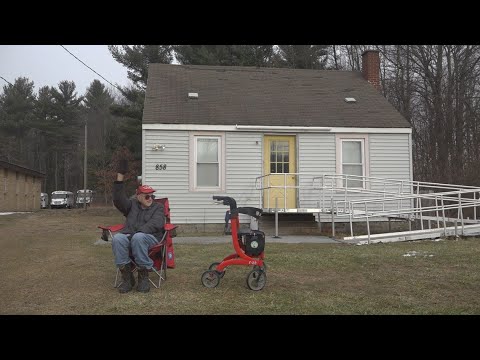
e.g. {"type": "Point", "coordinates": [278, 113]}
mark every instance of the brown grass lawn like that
{"type": "Point", "coordinates": [50, 265]}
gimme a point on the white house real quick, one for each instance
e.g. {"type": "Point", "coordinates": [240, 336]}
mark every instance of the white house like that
{"type": "Point", "coordinates": [213, 130]}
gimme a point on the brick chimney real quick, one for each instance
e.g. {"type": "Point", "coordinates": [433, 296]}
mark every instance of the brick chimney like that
{"type": "Point", "coordinates": [371, 67]}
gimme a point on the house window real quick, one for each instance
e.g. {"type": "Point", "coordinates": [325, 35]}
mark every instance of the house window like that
{"type": "Point", "coordinates": [352, 159]}
{"type": "Point", "coordinates": [279, 162]}
{"type": "Point", "coordinates": [208, 168]}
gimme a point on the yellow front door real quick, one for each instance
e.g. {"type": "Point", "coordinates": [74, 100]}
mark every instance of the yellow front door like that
{"type": "Point", "coordinates": [279, 162]}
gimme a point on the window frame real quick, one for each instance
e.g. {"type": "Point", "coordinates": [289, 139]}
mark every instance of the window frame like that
{"type": "Point", "coordinates": [283, 153]}
{"type": "Point", "coordinates": [365, 157]}
{"type": "Point", "coordinates": [194, 136]}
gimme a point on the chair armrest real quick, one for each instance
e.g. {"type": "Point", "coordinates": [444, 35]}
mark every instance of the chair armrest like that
{"type": "Point", "coordinates": [112, 228]}
{"type": "Point", "coordinates": [169, 227]}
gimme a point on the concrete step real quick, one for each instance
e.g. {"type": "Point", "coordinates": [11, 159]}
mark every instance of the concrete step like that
{"type": "Point", "coordinates": [285, 217]}
{"type": "Point", "coordinates": [289, 224]}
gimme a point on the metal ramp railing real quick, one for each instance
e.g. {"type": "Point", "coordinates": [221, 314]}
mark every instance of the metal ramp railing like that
{"type": "Point", "coordinates": [439, 207]}
{"type": "Point", "coordinates": [352, 198]}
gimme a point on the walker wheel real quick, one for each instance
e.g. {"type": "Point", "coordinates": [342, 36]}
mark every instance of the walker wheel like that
{"type": "Point", "coordinates": [210, 278]}
{"type": "Point", "coordinates": [213, 266]}
{"type": "Point", "coordinates": [256, 279]}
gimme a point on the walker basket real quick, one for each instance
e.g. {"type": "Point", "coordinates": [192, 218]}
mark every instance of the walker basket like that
{"type": "Point", "coordinates": [254, 243]}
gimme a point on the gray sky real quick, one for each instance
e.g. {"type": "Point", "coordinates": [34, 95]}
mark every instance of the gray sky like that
{"type": "Point", "coordinates": [50, 64]}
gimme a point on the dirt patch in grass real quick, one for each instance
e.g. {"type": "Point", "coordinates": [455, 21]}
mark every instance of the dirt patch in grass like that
{"type": "Point", "coordinates": [50, 265]}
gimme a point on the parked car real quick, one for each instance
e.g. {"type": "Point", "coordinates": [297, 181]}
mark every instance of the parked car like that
{"type": "Point", "coordinates": [62, 199]}
{"type": "Point", "coordinates": [84, 196]}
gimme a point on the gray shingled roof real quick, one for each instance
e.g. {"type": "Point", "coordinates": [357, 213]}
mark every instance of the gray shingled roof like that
{"type": "Point", "coordinates": [233, 95]}
{"type": "Point", "coordinates": [21, 169]}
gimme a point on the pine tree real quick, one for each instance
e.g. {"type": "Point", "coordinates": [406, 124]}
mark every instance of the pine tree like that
{"type": "Point", "coordinates": [66, 112]}
{"type": "Point", "coordinates": [303, 56]}
{"type": "Point", "coordinates": [136, 60]}
{"type": "Point", "coordinates": [17, 105]}
{"type": "Point", "coordinates": [225, 55]}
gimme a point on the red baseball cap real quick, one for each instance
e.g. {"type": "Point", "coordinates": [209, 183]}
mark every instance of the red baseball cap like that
{"type": "Point", "coordinates": [145, 189]}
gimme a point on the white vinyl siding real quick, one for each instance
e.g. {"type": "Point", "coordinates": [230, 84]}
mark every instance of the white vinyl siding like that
{"type": "Point", "coordinates": [244, 162]}
{"type": "Point", "coordinates": [242, 159]}
{"type": "Point", "coordinates": [388, 157]}
{"type": "Point", "coordinates": [316, 156]}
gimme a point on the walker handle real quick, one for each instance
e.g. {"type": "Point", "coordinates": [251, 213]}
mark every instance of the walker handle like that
{"type": "Point", "coordinates": [226, 201]}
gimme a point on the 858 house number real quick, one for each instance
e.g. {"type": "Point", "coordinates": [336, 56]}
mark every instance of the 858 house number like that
{"type": "Point", "coordinates": [161, 167]}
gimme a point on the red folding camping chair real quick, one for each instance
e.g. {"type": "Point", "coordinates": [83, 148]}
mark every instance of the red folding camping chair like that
{"type": "Point", "coordinates": [162, 254]}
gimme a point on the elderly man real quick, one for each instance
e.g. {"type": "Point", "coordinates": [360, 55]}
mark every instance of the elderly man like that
{"type": "Point", "coordinates": [143, 229]}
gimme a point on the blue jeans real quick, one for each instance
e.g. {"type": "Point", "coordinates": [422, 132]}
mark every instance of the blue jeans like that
{"type": "Point", "coordinates": [139, 246]}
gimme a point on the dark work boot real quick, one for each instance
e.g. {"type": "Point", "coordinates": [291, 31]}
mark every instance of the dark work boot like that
{"type": "Point", "coordinates": [143, 283]}
{"type": "Point", "coordinates": [128, 280]}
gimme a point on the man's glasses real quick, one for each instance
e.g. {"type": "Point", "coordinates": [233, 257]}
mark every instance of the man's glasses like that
{"type": "Point", "coordinates": [147, 197]}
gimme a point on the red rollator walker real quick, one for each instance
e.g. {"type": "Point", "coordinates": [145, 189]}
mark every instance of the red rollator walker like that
{"type": "Point", "coordinates": [249, 247]}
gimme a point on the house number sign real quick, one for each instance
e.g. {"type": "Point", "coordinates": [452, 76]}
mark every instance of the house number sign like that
{"type": "Point", "coordinates": [161, 167]}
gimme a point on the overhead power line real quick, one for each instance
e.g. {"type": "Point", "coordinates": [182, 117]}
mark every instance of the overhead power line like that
{"type": "Point", "coordinates": [115, 86]}
{"type": "Point", "coordinates": [6, 80]}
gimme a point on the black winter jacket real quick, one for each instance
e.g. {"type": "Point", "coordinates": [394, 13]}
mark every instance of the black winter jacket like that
{"type": "Point", "coordinates": [149, 221]}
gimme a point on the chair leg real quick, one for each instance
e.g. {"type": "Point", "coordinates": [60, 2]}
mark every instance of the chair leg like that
{"type": "Point", "coordinates": [164, 263]}
{"type": "Point", "coordinates": [115, 284]}
{"type": "Point", "coordinates": [160, 275]}
{"type": "Point", "coordinates": [162, 272]}
{"type": "Point", "coordinates": [157, 285]}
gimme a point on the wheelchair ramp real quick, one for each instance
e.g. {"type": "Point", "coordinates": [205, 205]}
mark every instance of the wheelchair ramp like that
{"type": "Point", "coordinates": [437, 209]}
{"type": "Point", "coordinates": [468, 230]}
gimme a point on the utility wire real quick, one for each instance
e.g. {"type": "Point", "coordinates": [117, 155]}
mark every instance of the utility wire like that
{"type": "Point", "coordinates": [6, 80]}
{"type": "Point", "coordinates": [115, 86]}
